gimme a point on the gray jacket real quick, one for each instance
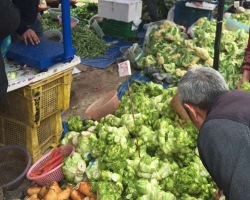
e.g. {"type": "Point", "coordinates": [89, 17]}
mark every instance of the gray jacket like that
{"type": "Point", "coordinates": [224, 144]}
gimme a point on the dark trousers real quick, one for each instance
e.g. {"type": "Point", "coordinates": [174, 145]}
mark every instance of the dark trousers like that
{"type": "Point", "coordinates": [152, 9]}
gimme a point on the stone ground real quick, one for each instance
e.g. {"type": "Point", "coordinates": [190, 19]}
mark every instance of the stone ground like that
{"type": "Point", "coordinates": [88, 85]}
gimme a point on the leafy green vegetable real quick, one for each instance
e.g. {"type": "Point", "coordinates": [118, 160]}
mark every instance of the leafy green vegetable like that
{"type": "Point", "coordinates": [245, 86]}
{"type": "Point", "coordinates": [149, 156]}
{"type": "Point", "coordinates": [75, 123]}
{"type": "Point", "coordinates": [86, 42]}
{"type": "Point", "coordinates": [74, 168]}
{"type": "Point", "coordinates": [85, 12]}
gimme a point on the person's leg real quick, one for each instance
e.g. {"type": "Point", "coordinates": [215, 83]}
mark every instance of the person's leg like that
{"type": "Point", "coordinates": [152, 9]}
{"type": "Point", "coordinates": [15, 37]}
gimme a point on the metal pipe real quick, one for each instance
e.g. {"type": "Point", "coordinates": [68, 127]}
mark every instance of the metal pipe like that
{"type": "Point", "coordinates": [66, 25]}
{"type": "Point", "coordinates": [218, 34]}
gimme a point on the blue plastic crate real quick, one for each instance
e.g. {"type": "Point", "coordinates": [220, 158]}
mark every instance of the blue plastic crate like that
{"type": "Point", "coordinates": [186, 16]}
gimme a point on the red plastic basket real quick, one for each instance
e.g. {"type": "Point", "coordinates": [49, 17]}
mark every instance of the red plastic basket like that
{"type": "Point", "coordinates": [106, 104]}
{"type": "Point", "coordinates": [55, 174]}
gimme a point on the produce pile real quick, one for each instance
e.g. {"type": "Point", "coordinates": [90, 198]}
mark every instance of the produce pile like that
{"type": "Point", "coordinates": [151, 157]}
{"type": "Point", "coordinates": [53, 191]}
{"type": "Point", "coordinates": [85, 12]}
{"type": "Point", "coordinates": [170, 50]}
{"type": "Point", "coordinates": [86, 42]}
{"type": "Point", "coordinates": [242, 17]}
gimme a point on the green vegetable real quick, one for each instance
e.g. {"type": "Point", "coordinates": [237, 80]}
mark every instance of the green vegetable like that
{"type": "Point", "coordinates": [70, 138]}
{"type": "Point", "coordinates": [242, 17]}
{"type": "Point", "coordinates": [86, 42]}
{"type": "Point", "coordinates": [74, 168]}
{"type": "Point", "coordinates": [11, 75]}
{"type": "Point", "coordinates": [85, 12]}
{"type": "Point", "coordinates": [75, 123]}
{"type": "Point", "coordinates": [245, 86]}
{"type": "Point", "coordinates": [153, 157]}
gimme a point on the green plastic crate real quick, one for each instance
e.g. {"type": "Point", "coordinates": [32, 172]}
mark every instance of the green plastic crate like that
{"type": "Point", "coordinates": [118, 29]}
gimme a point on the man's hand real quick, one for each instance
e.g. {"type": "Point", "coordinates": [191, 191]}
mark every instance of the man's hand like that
{"type": "Point", "coordinates": [30, 36]}
{"type": "Point", "coordinates": [218, 194]}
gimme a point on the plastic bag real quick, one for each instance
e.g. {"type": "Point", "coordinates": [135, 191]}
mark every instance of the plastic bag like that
{"type": "Point", "coordinates": [170, 16]}
{"type": "Point", "coordinates": [150, 26]}
{"type": "Point", "coordinates": [133, 54]}
{"type": "Point", "coordinates": [5, 44]}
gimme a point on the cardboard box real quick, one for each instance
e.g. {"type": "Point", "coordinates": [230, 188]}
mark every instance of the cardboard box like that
{"type": "Point", "coordinates": [120, 10]}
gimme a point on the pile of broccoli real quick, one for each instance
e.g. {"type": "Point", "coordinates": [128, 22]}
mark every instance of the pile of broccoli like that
{"type": "Point", "coordinates": [149, 155]}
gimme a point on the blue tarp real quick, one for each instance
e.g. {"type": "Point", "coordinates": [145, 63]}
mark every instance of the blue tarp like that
{"type": "Point", "coordinates": [110, 57]}
{"type": "Point", "coordinates": [112, 54]}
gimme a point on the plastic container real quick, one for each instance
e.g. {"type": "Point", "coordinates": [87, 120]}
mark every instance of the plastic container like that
{"type": "Point", "coordinates": [74, 21]}
{"type": "Point", "coordinates": [54, 12]}
{"type": "Point", "coordinates": [55, 174]}
{"type": "Point", "coordinates": [15, 162]}
{"type": "Point", "coordinates": [36, 140]}
{"type": "Point", "coordinates": [123, 49]}
{"type": "Point", "coordinates": [106, 104]}
{"type": "Point", "coordinates": [234, 25]}
{"type": "Point", "coordinates": [118, 29]}
{"type": "Point", "coordinates": [120, 10]}
{"type": "Point", "coordinates": [54, 35]}
{"type": "Point", "coordinates": [5, 44]}
{"type": "Point", "coordinates": [186, 16]}
{"type": "Point", "coordinates": [39, 100]}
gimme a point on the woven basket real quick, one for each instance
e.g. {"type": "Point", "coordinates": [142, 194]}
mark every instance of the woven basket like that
{"type": "Point", "coordinates": [55, 174]}
{"type": "Point", "coordinates": [106, 104]}
{"type": "Point", "coordinates": [176, 105]}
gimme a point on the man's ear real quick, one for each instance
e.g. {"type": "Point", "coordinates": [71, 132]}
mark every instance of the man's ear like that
{"type": "Point", "coordinates": [192, 111]}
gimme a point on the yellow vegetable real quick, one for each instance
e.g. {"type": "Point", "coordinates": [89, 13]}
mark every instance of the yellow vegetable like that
{"type": "Point", "coordinates": [51, 195]}
{"type": "Point", "coordinates": [54, 185]}
{"type": "Point", "coordinates": [43, 192]}
{"type": "Point", "coordinates": [76, 195]}
{"type": "Point", "coordinates": [33, 190]}
{"type": "Point", "coordinates": [85, 188]}
{"type": "Point", "coordinates": [202, 53]}
{"type": "Point", "coordinates": [65, 194]}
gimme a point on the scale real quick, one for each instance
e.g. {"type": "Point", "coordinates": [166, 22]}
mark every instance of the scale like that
{"type": "Point", "coordinates": [47, 52]}
{"type": "Point", "coordinates": [41, 56]}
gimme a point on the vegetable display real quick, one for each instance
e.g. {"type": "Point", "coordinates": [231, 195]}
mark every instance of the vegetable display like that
{"type": "Point", "coordinates": [169, 49]}
{"type": "Point", "coordinates": [53, 191]}
{"type": "Point", "coordinates": [85, 12]}
{"type": "Point", "coordinates": [245, 86]}
{"type": "Point", "coordinates": [86, 42]}
{"type": "Point", "coordinates": [242, 17]}
{"type": "Point", "coordinates": [149, 156]}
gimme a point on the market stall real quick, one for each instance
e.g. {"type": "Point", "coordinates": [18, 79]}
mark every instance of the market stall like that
{"type": "Point", "coordinates": [141, 147]}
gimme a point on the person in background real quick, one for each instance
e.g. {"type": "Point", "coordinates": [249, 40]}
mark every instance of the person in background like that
{"type": "Point", "coordinates": [152, 9]}
{"type": "Point", "coordinates": [30, 28]}
{"type": "Point", "coordinates": [222, 119]}
{"type": "Point", "coordinates": [9, 21]}
{"type": "Point", "coordinates": [246, 65]}
{"type": "Point", "coordinates": [42, 6]}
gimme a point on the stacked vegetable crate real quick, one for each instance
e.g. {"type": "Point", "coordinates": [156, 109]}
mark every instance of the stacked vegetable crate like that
{"type": "Point", "coordinates": [119, 17]}
{"type": "Point", "coordinates": [187, 16]}
{"type": "Point", "coordinates": [31, 116]}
